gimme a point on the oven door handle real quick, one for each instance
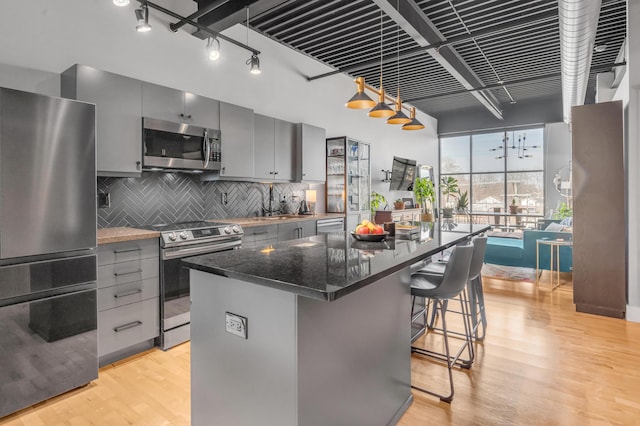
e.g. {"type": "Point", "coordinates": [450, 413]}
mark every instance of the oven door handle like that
{"type": "Point", "coordinates": [193, 251]}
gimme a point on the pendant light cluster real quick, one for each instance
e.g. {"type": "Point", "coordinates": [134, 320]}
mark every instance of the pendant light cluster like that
{"type": "Point", "coordinates": [213, 42]}
{"type": "Point", "coordinates": [381, 110]}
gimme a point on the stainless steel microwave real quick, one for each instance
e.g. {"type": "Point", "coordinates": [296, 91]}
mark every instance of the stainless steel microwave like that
{"type": "Point", "coordinates": [168, 145]}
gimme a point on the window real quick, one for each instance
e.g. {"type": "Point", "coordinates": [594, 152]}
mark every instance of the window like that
{"type": "Point", "coordinates": [497, 169]}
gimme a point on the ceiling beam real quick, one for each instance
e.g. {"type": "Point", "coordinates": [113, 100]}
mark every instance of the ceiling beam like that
{"type": "Point", "coordinates": [599, 68]}
{"type": "Point", "coordinates": [486, 32]}
{"type": "Point", "coordinates": [410, 17]}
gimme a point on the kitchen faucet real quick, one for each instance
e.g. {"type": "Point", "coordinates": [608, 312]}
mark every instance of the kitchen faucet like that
{"type": "Point", "coordinates": [269, 211]}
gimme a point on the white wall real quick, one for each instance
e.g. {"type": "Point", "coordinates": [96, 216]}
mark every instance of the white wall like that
{"type": "Point", "coordinates": [51, 35]}
{"type": "Point", "coordinates": [557, 155]}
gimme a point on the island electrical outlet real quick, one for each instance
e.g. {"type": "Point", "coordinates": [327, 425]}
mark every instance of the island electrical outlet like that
{"type": "Point", "coordinates": [235, 324]}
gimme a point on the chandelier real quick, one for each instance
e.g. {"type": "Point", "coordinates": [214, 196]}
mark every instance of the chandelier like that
{"type": "Point", "coordinates": [520, 148]}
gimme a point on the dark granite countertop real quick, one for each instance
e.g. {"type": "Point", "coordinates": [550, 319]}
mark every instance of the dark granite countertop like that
{"type": "Point", "coordinates": [330, 266]}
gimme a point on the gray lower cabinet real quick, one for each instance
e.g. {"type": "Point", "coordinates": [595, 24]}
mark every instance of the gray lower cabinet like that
{"type": "Point", "coordinates": [310, 153]}
{"type": "Point", "coordinates": [236, 134]}
{"type": "Point", "coordinates": [294, 230]}
{"type": "Point", "coordinates": [118, 117]}
{"type": "Point", "coordinates": [128, 303]}
{"type": "Point", "coordinates": [255, 236]}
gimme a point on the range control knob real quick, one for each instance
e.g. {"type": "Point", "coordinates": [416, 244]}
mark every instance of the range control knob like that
{"type": "Point", "coordinates": [236, 229]}
{"type": "Point", "coordinates": [172, 236]}
{"type": "Point", "coordinates": [184, 235]}
{"type": "Point", "coordinates": [227, 229]}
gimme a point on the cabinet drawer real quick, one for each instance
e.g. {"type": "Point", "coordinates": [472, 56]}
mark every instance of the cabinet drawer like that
{"type": "Point", "coordinates": [124, 294]}
{"type": "Point", "coordinates": [127, 325]}
{"type": "Point", "coordinates": [127, 251]}
{"type": "Point", "coordinates": [126, 272]}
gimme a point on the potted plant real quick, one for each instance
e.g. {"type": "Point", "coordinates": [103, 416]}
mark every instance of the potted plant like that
{"type": "Point", "coordinates": [563, 211]}
{"type": "Point", "coordinates": [398, 204]}
{"type": "Point", "coordinates": [449, 188]}
{"type": "Point", "coordinates": [376, 201]}
{"type": "Point", "coordinates": [463, 201]}
{"type": "Point", "coordinates": [425, 193]}
{"type": "Point", "coordinates": [513, 208]}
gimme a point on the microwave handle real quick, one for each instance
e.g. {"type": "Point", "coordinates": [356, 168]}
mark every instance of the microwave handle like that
{"type": "Point", "coordinates": [206, 147]}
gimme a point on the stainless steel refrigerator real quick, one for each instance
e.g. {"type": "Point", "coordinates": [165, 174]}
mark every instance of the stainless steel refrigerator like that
{"type": "Point", "coordinates": [48, 333]}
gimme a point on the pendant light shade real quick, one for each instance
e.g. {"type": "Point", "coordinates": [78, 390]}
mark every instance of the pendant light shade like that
{"type": "Point", "coordinates": [121, 3]}
{"type": "Point", "coordinates": [414, 124]}
{"type": "Point", "coordinates": [360, 100]}
{"type": "Point", "coordinates": [381, 110]}
{"type": "Point", "coordinates": [399, 117]}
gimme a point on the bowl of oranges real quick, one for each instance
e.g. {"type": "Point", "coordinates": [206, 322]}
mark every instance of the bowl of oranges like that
{"type": "Point", "coordinates": [369, 231]}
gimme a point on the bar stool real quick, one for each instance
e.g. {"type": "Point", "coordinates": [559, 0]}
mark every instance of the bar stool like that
{"type": "Point", "coordinates": [441, 289]}
{"type": "Point", "coordinates": [474, 291]}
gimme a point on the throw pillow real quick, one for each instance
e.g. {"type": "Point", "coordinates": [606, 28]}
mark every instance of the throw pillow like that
{"type": "Point", "coordinates": [554, 227]}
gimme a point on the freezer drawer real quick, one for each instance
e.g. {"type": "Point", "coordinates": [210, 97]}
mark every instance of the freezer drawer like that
{"type": "Point", "coordinates": [47, 346]}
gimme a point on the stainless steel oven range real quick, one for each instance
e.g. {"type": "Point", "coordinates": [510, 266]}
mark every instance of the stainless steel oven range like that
{"type": "Point", "coordinates": [177, 241]}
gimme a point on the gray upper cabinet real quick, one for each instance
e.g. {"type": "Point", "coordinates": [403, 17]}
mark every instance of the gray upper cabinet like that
{"type": "Point", "coordinates": [274, 148]}
{"type": "Point", "coordinates": [285, 144]}
{"type": "Point", "coordinates": [310, 153]}
{"type": "Point", "coordinates": [264, 136]}
{"type": "Point", "coordinates": [164, 103]}
{"type": "Point", "coordinates": [236, 134]}
{"type": "Point", "coordinates": [118, 117]}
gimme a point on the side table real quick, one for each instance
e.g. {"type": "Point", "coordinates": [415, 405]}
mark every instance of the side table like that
{"type": "Point", "coordinates": [555, 252]}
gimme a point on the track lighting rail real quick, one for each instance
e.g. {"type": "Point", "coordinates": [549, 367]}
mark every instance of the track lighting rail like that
{"type": "Point", "coordinates": [201, 27]}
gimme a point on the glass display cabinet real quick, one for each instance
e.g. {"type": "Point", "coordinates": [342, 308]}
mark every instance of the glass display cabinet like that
{"type": "Point", "coordinates": [349, 179]}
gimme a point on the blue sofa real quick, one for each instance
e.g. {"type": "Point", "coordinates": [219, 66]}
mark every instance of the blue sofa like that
{"type": "Point", "coordinates": [522, 252]}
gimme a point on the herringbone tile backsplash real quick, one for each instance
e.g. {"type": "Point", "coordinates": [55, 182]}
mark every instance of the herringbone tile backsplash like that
{"type": "Point", "coordinates": [176, 197]}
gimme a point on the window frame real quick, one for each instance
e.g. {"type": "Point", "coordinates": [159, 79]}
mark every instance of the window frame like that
{"type": "Point", "coordinates": [505, 172]}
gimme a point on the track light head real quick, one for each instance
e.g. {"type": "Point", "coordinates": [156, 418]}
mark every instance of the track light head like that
{"type": "Point", "coordinates": [121, 3]}
{"type": "Point", "coordinates": [254, 64]}
{"type": "Point", "coordinates": [213, 48]}
{"type": "Point", "coordinates": [142, 15]}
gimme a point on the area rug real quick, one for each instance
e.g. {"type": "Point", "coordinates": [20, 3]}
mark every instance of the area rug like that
{"type": "Point", "coordinates": [512, 273]}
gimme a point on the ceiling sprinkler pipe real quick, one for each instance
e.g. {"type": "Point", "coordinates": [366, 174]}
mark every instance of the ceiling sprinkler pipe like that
{"type": "Point", "coordinates": [578, 24]}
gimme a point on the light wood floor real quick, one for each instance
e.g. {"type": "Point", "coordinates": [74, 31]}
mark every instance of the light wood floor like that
{"type": "Point", "coordinates": [541, 364]}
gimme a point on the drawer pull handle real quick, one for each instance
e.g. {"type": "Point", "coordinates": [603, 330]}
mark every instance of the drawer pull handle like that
{"type": "Point", "coordinates": [117, 274]}
{"type": "Point", "coordinates": [128, 293]}
{"type": "Point", "coordinates": [260, 233]}
{"type": "Point", "coordinates": [127, 250]}
{"type": "Point", "coordinates": [127, 326]}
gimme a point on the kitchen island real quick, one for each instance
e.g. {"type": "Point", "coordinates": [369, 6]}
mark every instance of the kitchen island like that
{"type": "Point", "coordinates": [309, 331]}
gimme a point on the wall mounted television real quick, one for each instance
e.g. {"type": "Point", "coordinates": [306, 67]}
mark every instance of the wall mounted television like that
{"type": "Point", "coordinates": [403, 174]}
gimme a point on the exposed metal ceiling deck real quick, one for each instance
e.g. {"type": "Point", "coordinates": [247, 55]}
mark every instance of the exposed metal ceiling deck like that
{"type": "Point", "coordinates": [515, 50]}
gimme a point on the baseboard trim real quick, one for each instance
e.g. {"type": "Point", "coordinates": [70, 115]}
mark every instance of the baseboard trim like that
{"type": "Point", "coordinates": [633, 313]}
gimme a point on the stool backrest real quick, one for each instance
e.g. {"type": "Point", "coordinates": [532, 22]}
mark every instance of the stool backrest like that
{"type": "Point", "coordinates": [479, 248]}
{"type": "Point", "coordinates": [456, 273]}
